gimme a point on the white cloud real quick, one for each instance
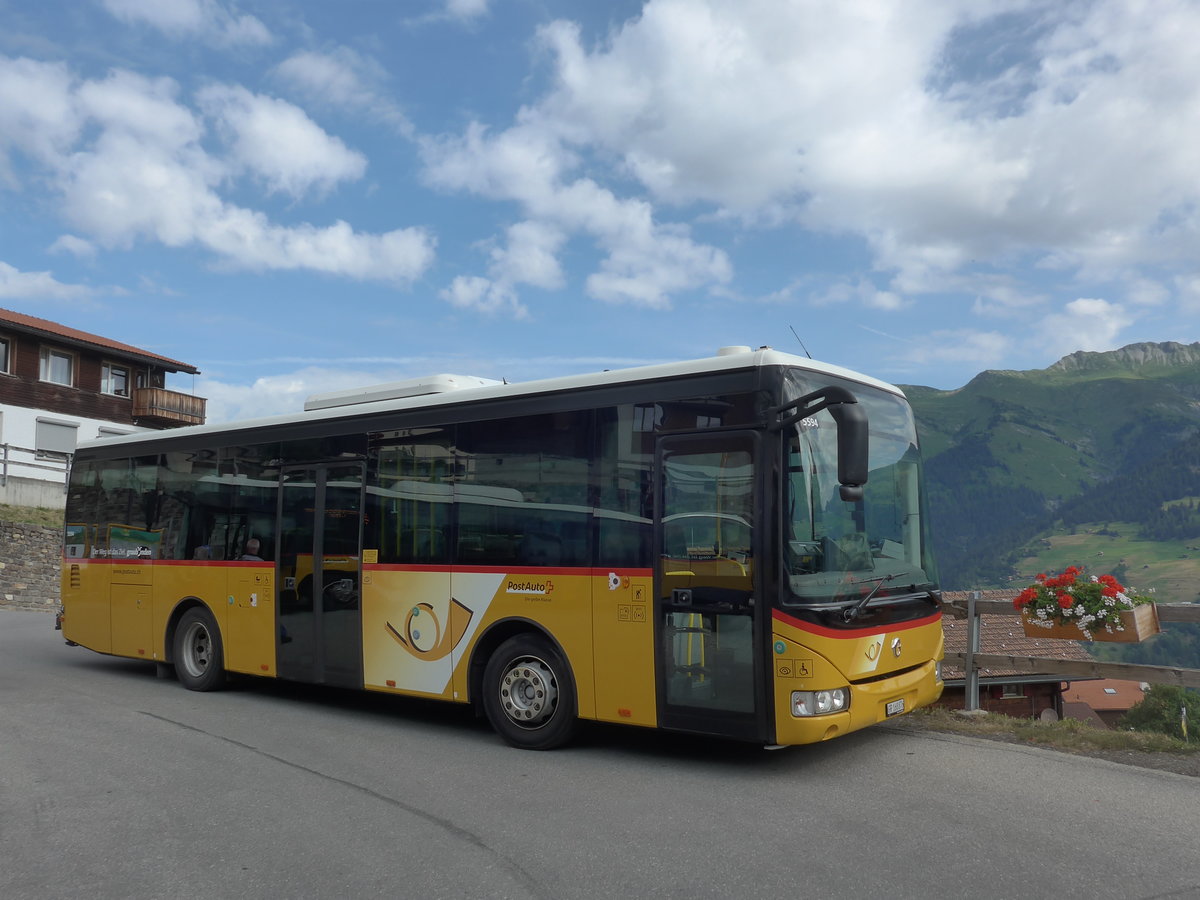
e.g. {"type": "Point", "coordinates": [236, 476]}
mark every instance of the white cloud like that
{"type": "Point", "coordinates": [207, 20]}
{"type": "Point", "coordinates": [272, 395]}
{"type": "Point", "coordinates": [484, 295]}
{"type": "Point", "coordinates": [863, 292]}
{"type": "Point", "coordinates": [76, 246]}
{"type": "Point", "coordinates": [38, 114]}
{"type": "Point", "coordinates": [18, 285]}
{"type": "Point", "coordinates": [523, 163]}
{"type": "Point", "coordinates": [649, 265]}
{"type": "Point", "coordinates": [466, 10]}
{"type": "Point", "coordinates": [279, 142]}
{"type": "Point", "coordinates": [249, 239]}
{"type": "Point", "coordinates": [1084, 324]}
{"type": "Point", "coordinates": [1146, 292]}
{"type": "Point", "coordinates": [1068, 140]}
{"type": "Point", "coordinates": [127, 160]}
{"type": "Point", "coordinates": [956, 346]}
{"type": "Point", "coordinates": [144, 109]}
{"type": "Point", "coordinates": [1000, 298]}
{"type": "Point", "coordinates": [529, 257]}
{"type": "Point", "coordinates": [646, 262]}
{"type": "Point", "coordinates": [345, 81]}
{"type": "Point", "coordinates": [1188, 290]}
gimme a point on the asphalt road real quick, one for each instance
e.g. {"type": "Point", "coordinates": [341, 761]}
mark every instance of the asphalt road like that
{"type": "Point", "coordinates": [114, 783]}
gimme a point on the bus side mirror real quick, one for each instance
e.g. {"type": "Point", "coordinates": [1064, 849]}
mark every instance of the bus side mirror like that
{"type": "Point", "coordinates": [853, 432]}
{"type": "Point", "coordinates": [853, 443]}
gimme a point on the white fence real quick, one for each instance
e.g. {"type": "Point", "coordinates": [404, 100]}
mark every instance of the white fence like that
{"type": "Point", "coordinates": [25, 462]}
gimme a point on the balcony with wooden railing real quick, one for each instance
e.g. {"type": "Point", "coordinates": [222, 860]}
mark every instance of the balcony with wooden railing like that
{"type": "Point", "coordinates": [158, 407]}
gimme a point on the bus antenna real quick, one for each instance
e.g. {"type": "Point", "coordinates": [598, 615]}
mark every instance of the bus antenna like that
{"type": "Point", "coordinates": [801, 343]}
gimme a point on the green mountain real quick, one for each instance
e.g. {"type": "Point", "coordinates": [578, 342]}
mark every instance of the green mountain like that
{"type": "Point", "coordinates": [1018, 462]}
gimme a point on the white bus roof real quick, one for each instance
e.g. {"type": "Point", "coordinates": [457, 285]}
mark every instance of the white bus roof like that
{"type": "Point", "coordinates": [449, 390]}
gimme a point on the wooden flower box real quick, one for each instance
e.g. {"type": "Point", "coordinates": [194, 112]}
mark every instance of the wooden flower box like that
{"type": "Point", "coordinates": [1140, 623]}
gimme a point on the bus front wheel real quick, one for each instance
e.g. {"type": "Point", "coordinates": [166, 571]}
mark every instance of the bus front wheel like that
{"type": "Point", "coordinates": [528, 694]}
{"type": "Point", "coordinates": [199, 656]}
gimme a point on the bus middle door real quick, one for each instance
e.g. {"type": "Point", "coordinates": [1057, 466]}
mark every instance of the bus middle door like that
{"type": "Point", "coordinates": [706, 586]}
{"type": "Point", "coordinates": [319, 576]}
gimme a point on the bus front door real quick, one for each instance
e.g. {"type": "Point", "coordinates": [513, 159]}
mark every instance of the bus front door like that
{"type": "Point", "coordinates": [319, 638]}
{"type": "Point", "coordinates": [706, 585]}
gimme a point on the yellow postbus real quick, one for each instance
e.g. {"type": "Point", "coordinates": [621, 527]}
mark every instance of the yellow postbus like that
{"type": "Point", "coordinates": [731, 546]}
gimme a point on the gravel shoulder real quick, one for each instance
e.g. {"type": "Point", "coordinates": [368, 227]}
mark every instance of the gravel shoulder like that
{"type": "Point", "coordinates": [1179, 763]}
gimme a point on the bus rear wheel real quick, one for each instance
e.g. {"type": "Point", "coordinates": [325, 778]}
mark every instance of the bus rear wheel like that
{"type": "Point", "coordinates": [199, 656]}
{"type": "Point", "coordinates": [528, 694]}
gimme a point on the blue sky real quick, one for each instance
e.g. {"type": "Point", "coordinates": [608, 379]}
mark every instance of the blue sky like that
{"type": "Point", "coordinates": [305, 196]}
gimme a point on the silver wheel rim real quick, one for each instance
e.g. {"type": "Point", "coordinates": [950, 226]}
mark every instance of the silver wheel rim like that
{"type": "Point", "coordinates": [197, 649]}
{"type": "Point", "coordinates": [528, 692]}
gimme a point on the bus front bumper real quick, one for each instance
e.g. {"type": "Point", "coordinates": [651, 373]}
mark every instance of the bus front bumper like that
{"type": "Point", "coordinates": [869, 703]}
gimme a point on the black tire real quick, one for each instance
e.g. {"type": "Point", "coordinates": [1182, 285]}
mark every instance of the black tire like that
{"type": "Point", "coordinates": [529, 694]}
{"type": "Point", "coordinates": [198, 654]}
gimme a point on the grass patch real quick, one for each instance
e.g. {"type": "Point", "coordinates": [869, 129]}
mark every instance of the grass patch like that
{"type": "Point", "coordinates": [1166, 569]}
{"type": "Point", "coordinates": [1070, 735]}
{"type": "Point", "coordinates": [31, 515]}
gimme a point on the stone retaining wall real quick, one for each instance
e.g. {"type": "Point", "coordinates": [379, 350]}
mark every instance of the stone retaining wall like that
{"type": "Point", "coordinates": [30, 557]}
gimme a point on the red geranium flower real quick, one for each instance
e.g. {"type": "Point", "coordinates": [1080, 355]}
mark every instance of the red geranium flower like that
{"type": "Point", "coordinates": [1026, 596]}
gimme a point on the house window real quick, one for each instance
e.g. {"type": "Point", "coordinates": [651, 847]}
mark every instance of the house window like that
{"type": "Point", "coordinates": [1012, 691]}
{"type": "Point", "coordinates": [57, 367]}
{"type": "Point", "coordinates": [114, 380]}
{"type": "Point", "coordinates": [5, 356]}
{"type": "Point", "coordinates": [55, 438]}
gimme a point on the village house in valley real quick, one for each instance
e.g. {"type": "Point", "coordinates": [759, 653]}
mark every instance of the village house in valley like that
{"type": "Point", "coordinates": [1010, 692]}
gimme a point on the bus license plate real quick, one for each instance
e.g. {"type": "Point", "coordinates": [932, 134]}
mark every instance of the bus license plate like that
{"type": "Point", "coordinates": [895, 707]}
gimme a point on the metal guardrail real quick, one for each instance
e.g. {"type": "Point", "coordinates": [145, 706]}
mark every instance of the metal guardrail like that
{"type": "Point", "coordinates": [8, 462]}
{"type": "Point", "coordinates": [972, 659]}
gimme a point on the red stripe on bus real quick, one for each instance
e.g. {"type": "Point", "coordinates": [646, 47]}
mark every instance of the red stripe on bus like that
{"type": "Point", "coordinates": [378, 567]}
{"type": "Point", "coordinates": [234, 563]}
{"type": "Point", "coordinates": [821, 630]}
{"type": "Point", "coordinates": [510, 570]}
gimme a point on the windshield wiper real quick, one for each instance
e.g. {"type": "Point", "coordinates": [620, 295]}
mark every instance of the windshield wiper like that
{"type": "Point", "coordinates": [850, 613]}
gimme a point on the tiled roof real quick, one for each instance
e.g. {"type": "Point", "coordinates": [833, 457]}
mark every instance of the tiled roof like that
{"type": "Point", "coordinates": [1096, 694]}
{"type": "Point", "coordinates": [73, 335]}
{"type": "Point", "coordinates": [1004, 635]}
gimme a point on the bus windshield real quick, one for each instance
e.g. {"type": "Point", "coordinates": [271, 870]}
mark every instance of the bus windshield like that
{"type": "Point", "coordinates": [833, 547]}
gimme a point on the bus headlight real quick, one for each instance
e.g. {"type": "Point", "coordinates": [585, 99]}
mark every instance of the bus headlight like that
{"type": "Point", "coordinates": [937, 670]}
{"type": "Point", "coordinates": [819, 703]}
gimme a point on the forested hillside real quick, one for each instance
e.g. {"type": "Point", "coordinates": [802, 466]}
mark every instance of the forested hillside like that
{"type": "Point", "coordinates": [1095, 438]}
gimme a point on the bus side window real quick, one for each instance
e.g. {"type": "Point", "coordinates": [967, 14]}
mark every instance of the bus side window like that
{"type": "Point", "coordinates": [623, 505]}
{"type": "Point", "coordinates": [409, 496]}
{"type": "Point", "coordinates": [252, 485]}
{"type": "Point", "coordinates": [521, 493]}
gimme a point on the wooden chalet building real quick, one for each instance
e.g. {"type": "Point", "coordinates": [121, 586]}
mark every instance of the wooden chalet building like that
{"type": "Point", "coordinates": [1009, 692]}
{"type": "Point", "coordinates": [60, 386]}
